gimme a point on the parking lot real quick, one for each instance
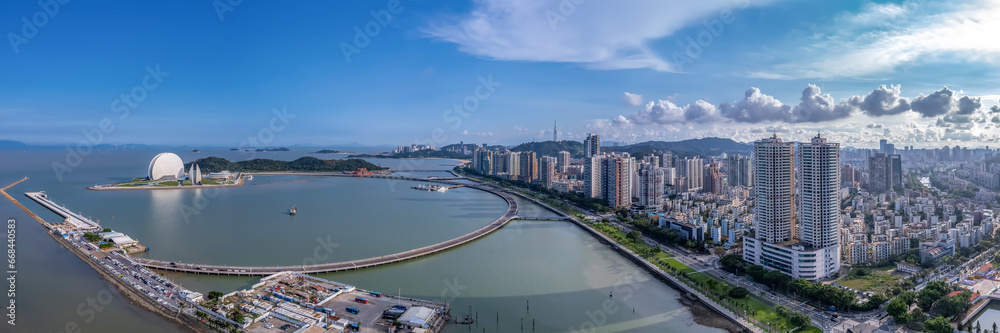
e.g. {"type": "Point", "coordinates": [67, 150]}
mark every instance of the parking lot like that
{"type": "Point", "coordinates": [369, 315]}
{"type": "Point", "coordinates": [272, 325]}
{"type": "Point", "coordinates": [140, 278]}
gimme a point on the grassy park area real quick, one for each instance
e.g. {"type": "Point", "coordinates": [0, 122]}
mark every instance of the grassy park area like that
{"type": "Point", "coordinates": [872, 280]}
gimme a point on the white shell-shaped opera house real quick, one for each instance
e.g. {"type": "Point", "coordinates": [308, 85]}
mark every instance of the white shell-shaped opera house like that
{"type": "Point", "coordinates": [166, 165]}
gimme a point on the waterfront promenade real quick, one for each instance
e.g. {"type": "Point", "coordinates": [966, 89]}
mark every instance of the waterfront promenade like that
{"type": "Point", "coordinates": [509, 215]}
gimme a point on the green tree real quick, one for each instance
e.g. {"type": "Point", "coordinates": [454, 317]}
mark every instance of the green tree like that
{"type": "Point", "coordinates": [927, 297]}
{"type": "Point", "coordinates": [897, 308]}
{"type": "Point", "coordinates": [719, 251]}
{"type": "Point", "coordinates": [635, 235]}
{"type": "Point", "coordinates": [237, 317]}
{"type": "Point", "coordinates": [907, 296]}
{"type": "Point", "coordinates": [711, 284]}
{"type": "Point", "coordinates": [213, 295]}
{"type": "Point", "coordinates": [782, 311]}
{"type": "Point", "coordinates": [798, 319]}
{"type": "Point", "coordinates": [92, 236]}
{"type": "Point", "coordinates": [938, 325]}
{"type": "Point", "coordinates": [950, 306]}
{"type": "Point", "coordinates": [107, 230]}
{"type": "Point", "coordinates": [738, 292]}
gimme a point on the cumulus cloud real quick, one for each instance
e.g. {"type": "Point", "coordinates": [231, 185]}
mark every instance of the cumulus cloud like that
{"type": "Point", "coordinates": [883, 101]}
{"type": "Point", "coordinates": [935, 104]}
{"type": "Point", "coordinates": [967, 108]}
{"type": "Point", "coordinates": [631, 99]}
{"type": "Point", "coordinates": [969, 105]}
{"type": "Point", "coordinates": [666, 113]}
{"type": "Point", "coordinates": [737, 119]}
{"type": "Point", "coordinates": [701, 111]}
{"type": "Point", "coordinates": [596, 34]}
{"type": "Point", "coordinates": [621, 121]}
{"type": "Point", "coordinates": [466, 132]}
{"type": "Point", "coordinates": [816, 107]}
{"type": "Point", "coordinates": [777, 129]}
{"type": "Point", "coordinates": [756, 107]}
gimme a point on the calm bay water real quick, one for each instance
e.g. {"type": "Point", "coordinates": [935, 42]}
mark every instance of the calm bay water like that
{"type": "Point", "coordinates": [551, 272]}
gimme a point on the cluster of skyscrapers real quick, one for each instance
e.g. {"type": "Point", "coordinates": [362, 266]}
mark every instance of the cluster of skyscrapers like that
{"type": "Point", "coordinates": [617, 178]}
{"type": "Point", "coordinates": [796, 224]}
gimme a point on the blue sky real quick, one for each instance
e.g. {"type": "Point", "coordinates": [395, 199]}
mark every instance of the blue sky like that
{"type": "Point", "coordinates": [630, 70]}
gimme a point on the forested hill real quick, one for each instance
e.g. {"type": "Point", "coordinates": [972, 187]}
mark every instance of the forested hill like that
{"type": "Point", "coordinates": [703, 147]}
{"type": "Point", "coordinates": [308, 163]}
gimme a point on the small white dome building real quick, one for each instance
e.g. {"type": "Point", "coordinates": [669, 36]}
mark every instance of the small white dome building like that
{"type": "Point", "coordinates": [166, 165]}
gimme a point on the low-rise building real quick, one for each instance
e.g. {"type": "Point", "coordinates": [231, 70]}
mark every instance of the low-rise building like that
{"type": "Point", "coordinates": [793, 259]}
{"type": "Point", "coordinates": [906, 267]}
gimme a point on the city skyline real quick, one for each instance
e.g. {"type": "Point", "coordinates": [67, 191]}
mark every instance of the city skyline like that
{"type": "Point", "coordinates": [402, 166]}
{"type": "Point", "coordinates": [717, 69]}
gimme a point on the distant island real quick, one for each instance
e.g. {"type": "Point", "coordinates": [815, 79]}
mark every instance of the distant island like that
{"type": "Point", "coordinates": [308, 163]}
{"type": "Point", "coordinates": [274, 149]}
{"type": "Point", "coordinates": [326, 151]}
{"type": "Point", "coordinates": [417, 154]}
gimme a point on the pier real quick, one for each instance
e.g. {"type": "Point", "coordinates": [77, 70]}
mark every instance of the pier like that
{"type": "Point", "coordinates": [75, 220]}
{"type": "Point", "coordinates": [509, 215]}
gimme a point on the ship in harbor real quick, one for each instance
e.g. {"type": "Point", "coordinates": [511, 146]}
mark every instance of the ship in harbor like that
{"type": "Point", "coordinates": [293, 211]}
{"type": "Point", "coordinates": [431, 187]}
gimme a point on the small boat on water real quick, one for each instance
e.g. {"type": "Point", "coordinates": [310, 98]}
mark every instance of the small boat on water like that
{"type": "Point", "coordinates": [432, 188]}
{"type": "Point", "coordinates": [293, 211]}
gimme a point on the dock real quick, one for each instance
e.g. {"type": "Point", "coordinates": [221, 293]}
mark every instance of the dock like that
{"type": "Point", "coordinates": [75, 220]}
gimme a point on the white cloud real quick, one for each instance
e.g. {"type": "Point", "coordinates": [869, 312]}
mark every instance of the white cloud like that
{"type": "Point", "coordinates": [857, 121]}
{"type": "Point", "coordinates": [882, 37]}
{"type": "Point", "coordinates": [756, 107]}
{"type": "Point", "coordinates": [466, 132]}
{"type": "Point", "coordinates": [597, 34]}
{"type": "Point", "coordinates": [631, 99]}
{"type": "Point", "coordinates": [883, 101]}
